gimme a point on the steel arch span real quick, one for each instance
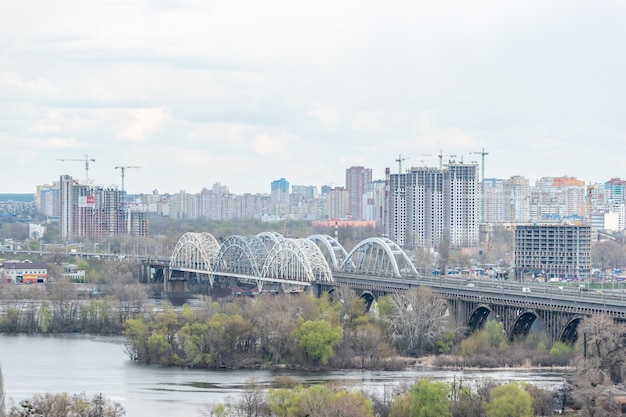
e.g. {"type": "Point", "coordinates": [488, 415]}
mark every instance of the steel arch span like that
{"type": "Point", "coordinates": [332, 250]}
{"type": "Point", "coordinates": [270, 239]}
{"type": "Point", "coordinates": [195, 252]}
{"type": "Point", "coordinates": [379, 256]}
{"type": "Point", "coordinates": [243, 255]}
{"type": "Point", "coordinates": [297, 260]}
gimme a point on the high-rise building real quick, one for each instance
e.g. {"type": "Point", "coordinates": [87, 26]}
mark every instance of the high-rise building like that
{"type": "Point", "coordinates": [307, 191]}
{"type": "Point", "coordinates": [94, 212]}
{"type": "Point", "coordinates": [280, 197]}
{"type": "Point", "coordinates": [557, 198]}
{"type": "Point", "coordinates": [614, 190]}
{"type": "Point", "coordinates": [462, 204]}
{"type": "Point", "coordinates": [427, 206]}
{"type": "Point", "coordinates": [338, 203]}
{"type": "Point", "coordinates": [357, 178]}
{"type": "Point", "coordinates": [507, 201]}
{"type": "Point", "coordinates": [374, 204]}
{"type": "Point", "coordinates": [47, 200]}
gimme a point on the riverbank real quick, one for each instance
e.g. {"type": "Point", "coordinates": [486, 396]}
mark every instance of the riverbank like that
{"type": "Point", "coordinates": [453, 362]}
{"type": "Point", "coordinates": [98, 364]}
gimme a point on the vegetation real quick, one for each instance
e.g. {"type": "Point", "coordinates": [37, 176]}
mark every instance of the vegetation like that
{"type": "Point", "coordinates": [58, 308]}
{"type": "Point", "coordinates": [425, 398]}
{"type": "Point", "coordinates": [65, 405]}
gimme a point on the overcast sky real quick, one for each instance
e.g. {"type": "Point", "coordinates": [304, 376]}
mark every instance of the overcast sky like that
{"type": "Point", "coordinates": [247, 92]}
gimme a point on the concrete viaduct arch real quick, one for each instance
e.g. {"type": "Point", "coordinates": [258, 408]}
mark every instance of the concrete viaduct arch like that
{"type": "Point", "coordinates": [558, 326]}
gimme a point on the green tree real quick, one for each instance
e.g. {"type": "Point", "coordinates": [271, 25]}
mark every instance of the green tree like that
{"type": "Point", "coordinates": [477, 342]}
{"type": "Point", "coordinates": [495, 333]}
{"type": "Point", "coordinates": [509, 400]}
{"type": "Point", "coordinates": [561, 349]}
{"type": "Point", "coordinates": [283, 402]}
{"type": "Point", "coordinates": [429, 399]}
{"type": "Point", "coordinates": [317, 340]}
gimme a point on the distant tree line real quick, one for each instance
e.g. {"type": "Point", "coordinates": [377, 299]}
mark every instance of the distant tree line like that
{"type": "Point", "coordinates": [58, 308]}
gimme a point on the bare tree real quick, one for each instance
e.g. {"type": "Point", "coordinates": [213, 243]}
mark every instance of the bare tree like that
{"type": "Point", "coordinates": [604, 350]}
{"type": "Point", "coordinates": [251, 401]}
{"type": "Point", "coordinates": [417, 320]}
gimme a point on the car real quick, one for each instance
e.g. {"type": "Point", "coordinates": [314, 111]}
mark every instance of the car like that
{"type": "Point", "coordinates": [470, 285]}
{"type": "Point", "coordinates": [526, 289]}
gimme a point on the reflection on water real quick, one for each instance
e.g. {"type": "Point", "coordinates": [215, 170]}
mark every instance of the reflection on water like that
{"type": "Point", "coordinates": [96, 364]}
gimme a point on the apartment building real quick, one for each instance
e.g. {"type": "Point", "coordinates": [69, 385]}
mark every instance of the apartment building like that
{"type": "Point", "coordinates": [507, 200]}
{"type": "Point", "coordinates": [427, 206]}
{"type": "Point", "coordinates": [94, 212]}
{"type": "Point", "coordinates": [552, 251]}
{"type": "Point", "coordinates": [557, 198]}
{"type": "Point", "coordinates": [357, 178]}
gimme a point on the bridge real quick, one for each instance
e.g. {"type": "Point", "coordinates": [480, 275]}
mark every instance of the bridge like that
{"type": "Point", "coordinates": [270, 263]}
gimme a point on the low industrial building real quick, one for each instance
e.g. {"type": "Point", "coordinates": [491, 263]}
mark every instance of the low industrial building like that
{"type": "Point", "coordinates": [24, 272]}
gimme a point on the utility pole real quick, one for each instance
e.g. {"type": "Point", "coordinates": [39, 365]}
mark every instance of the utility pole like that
{"type": "Point", "coordinates": [86, 160]}
{"type": "Point", "coordinates": [123, 169]}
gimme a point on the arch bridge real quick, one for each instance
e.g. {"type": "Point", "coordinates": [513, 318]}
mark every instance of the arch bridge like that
{"type": "Point", "coordinates": [270, 263]}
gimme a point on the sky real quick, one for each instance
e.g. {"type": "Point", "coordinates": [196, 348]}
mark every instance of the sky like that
{"type": "Point", "coordinates": [242, 93]}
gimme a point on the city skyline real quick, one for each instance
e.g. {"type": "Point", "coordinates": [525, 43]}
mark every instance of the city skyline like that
{"type": "Point", "coordinates": [246, 93]}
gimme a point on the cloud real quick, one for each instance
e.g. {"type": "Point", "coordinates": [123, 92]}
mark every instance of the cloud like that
{"type": "Point", "coordinates": [213, 91]}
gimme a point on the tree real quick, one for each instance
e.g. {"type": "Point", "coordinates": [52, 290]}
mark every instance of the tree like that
{"type": "Point", "coordinates": [607, 255]}
{"type": "Point", "coordinates": [429, 399]}
{"type": "Point", "coordinates": [317, 340]}
{"type": "Point", "coordinates": [603, 347]}
{"type": "Point", "coordinates": [495, 333]}
{"type": "Point", "coordinates": [509, 400]}
{"type": "Point", "coordinates": [416, 320]}
{"type": "Point", "coordinates": [64, 405]}
{"type": "Point", "coordinates": [251, 402]}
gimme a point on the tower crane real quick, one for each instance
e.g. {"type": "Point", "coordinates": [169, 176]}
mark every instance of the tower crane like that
{"type": "Point", "coordinates": [441, 155]}
{"type": "Point", "coordinates": [482, 161]}
{"type": "Point", "coordinates": [86, 160]}
{"type": "Point", "coordinates": [123, 168]}
{"type": "Point", "coordinates": [590, 189]}
{"type": "Point", "coordinates": [482, 191]}
{"type": "Point", "coordinates": [399, 161]}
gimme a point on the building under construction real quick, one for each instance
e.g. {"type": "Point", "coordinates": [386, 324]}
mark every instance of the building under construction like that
{"type": "Point", "coordinates": [427, 206]}
{"type": "Point", "coordinates": [94, 212]}
{"type": "Point", "coordinates": [552, 251]}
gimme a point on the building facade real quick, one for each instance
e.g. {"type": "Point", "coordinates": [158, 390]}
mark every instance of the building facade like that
{"type": "Point", "coordinates": [552, 251]}
{"type": "Point", "coordinates": [94, 212]}
{"type": "Point", "coordinates": [427, 206]}
{"type": "Point", "coordinates": [357, 178]}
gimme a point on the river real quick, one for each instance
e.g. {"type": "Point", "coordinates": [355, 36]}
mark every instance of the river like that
{"type": "Point", "coordinates": [97, 364]}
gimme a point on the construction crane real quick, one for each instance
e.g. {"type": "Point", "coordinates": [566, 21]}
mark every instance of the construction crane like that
{"type": "Point", "coordinates": [399, 161]}
{"type": "Point", "coordinates": [86, 160]}
{"type": "Point", "coordinates": [441, 155]}
{"type": "Point", "coordinates": [482, 191]}
{"type": "Point", "coordinates": [123, 168]}
{"type": "Point", "coordinates": [590, 189]}
{"type": "Point", "coordinates": [482, 161]}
